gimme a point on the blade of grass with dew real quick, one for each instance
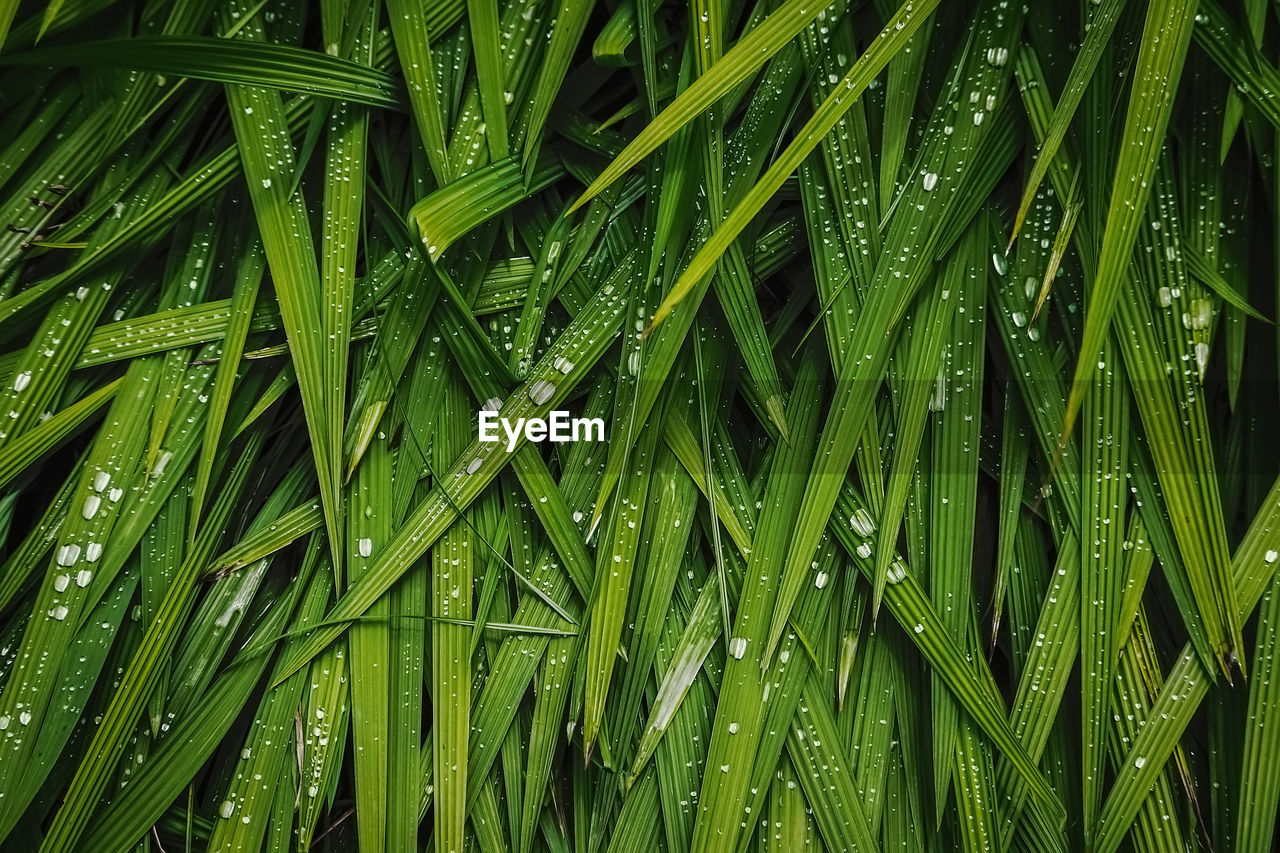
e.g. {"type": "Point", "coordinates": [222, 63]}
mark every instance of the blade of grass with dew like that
{"type": "Point", "coordinates": [923, 381]}
{"type": "Point", "coordinates": [291, 258]}
{"type": "Point", "coordinates": [841, 99]}
{"type": "Point", "coordinates": [538, 296]}
{"type": "Point", "coordinates": [956, 423]}
{"type": "Point", "coordinates": [567, 26]}
{"type": "Point", "coordinates": [346, 162]}
{"type": "Point", "coordinates": [680, 439]}
{"type": "Point", "coordinates": [1188, 682]}
{"type": "Point", "coordinates": [1106, 416]}
{"type": "Point", "coordinates": [20, 453]}
{"type": "Point", "coordinates": [615, 565]}
{"type": "Point", "coordinates": [108, 741]}
{"type": "Point", "coordinates": [36, 129]}
{"type": "Point", "coordinates": [46, 361]}
{"type": "Point", "coordinates": [871, 726]}
{"type": "Point", "coordinates": [325, 718]}
{"type": "Point", "coordinates": [910, 607]}
{"type": "Point", "coordinates": [788, 814]}
{"type": "Point", "coordinates": [224, 60]}
{"type": "Point", "coordinates": [1143, 330]}
{"type": "Point", "coordinates": [1159, 66]}
{"type": "Point", "coordinates": [289, 528]}
{"type": "Point", "coordinates": [399, 330]}
{"type": "Point", "coordinates": [118, 444]}
{"type": "Point", "coordinates": [1098, 31]}
{"type": "Point", "coordinates": [369, 528]}
{"type": "Point", "coordinates": [1259, 779]}
{"type": "Point", "coordinates": [653, 358]}
{"type": "Point", "coordinates": [71, 159]}
{"type": "Point", "coordinates": [1149, 500]}
{"type": "Point", "coordinates": [544, 730]}
{"type": "Point", "coordinates": [847, 156]}
{"type": "Point", "coordinates": [734, 285]}
{"type": "Point", "coordinates": [679, 758]}
{"type": "Point", "coordinates": [616, 36]}
{"type": "Point", "coordinates": [785, 685]}
{"type": "Point", "coordinates": [902, 90]}
{"type": "Point", "coordinates": [195, 737]}
{"type": "Point", "coordinates": [1198, 265]}
{"type": "Point", "coordinates": [264, 761]}
{"type": "Point", "coordinates": [1253, 76]}
{"type": "Point", "coordinates": [196, 186]}
{"type": "Point", "coordinates": [535, 479]}
{"type": "Point", "coordinates": [413, 38]}
{"type": "Point", "coordinates": [248, 276]}
{"type": "Point", "coordinates": [452, 211]}
{"type": "Point", "coordinates": [482, 17]}
{"type": "Point", "coordinates": [668, 524]}
{"type": "Point", "coordinates": [736, 65]}
{"type": "Point", "coordinates": [517, 659]}
{"type": "Point", "coordinates": [1255, 13]}
{"type": "Point", "coordinates": [704, 422]}
{"type": "Point", "coordinates": [682, 666]}
{"type": "Point", "coordinates": [83, 667]}
{"type": "Point", "coordinates": [739, 717]}
{"type": "Point", "coordinates": [451, 598]}
{"type": "Point", "coordinates": [1014, 455]}
{"type": "Point", "coordinates": [910, 238]}
{"type": "Point", "coordinates": [1154, 828]}
{"type": "Point", "coordinates": [824, 776]}
{"type": "Point", "coordinates": [160, 553]}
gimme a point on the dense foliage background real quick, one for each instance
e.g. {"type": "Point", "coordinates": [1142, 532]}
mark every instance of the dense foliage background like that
{"type": "Point", "coordinates": [938, 507]}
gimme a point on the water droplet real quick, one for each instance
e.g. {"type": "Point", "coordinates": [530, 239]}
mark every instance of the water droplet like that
{"type": "Point", "coordinates": [541, 392]}
{"type": "Point", "coordinates": [161, 463]}
{"type": "Point", "coordinates": [862, 522]}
